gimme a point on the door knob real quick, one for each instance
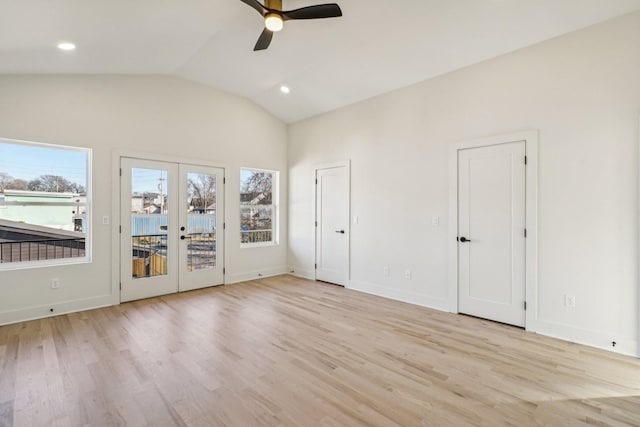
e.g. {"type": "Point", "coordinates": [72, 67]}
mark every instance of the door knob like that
{"type": "Point", "coordinates": [464, 239]}
{"type": "Point", "coordinates": [340, 231]}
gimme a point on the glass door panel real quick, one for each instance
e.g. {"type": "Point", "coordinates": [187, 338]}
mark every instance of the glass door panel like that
{"type": "Point", "coordinates": [148, 247]}
{"type": "Point", "coordinates": [201, 221]}
{"type": "Point", "coordinates": [149, 222]}
{"type": "Point", "coordinates": [202, 198]}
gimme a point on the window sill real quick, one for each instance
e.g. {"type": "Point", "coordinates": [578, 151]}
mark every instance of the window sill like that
{"type": "Point", "coordinates": [257, 245]}
{"type": "Point", "coordinates": [25, 265]}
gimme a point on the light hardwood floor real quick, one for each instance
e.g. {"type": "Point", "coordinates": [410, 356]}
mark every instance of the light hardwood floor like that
{"type": "Point", "coordinates": [289, 352]}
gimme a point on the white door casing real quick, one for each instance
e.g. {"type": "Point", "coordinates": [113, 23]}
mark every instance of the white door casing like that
{"type": "Point", "coordinates": [332, 235]}
{"type": "Point", "coordinates": [491, 226]}
{"type": "Point", "coordinates": [530, 137]}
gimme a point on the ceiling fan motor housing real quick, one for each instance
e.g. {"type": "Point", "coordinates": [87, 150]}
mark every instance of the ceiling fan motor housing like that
{"type": "Point", "coordinates": [273, 4]}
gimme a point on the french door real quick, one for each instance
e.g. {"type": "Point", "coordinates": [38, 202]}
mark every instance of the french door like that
{"type": "Point", "coordinates": [172, 235]}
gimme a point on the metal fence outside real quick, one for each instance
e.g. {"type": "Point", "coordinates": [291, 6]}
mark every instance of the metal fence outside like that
{"type": "Point", "coordinates": [41, 249]}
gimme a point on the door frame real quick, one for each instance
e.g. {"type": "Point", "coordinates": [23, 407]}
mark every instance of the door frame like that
{"type": "Point", "coordinates": [316, 168]}
{"type": "Point", "coordinates": [530, 137]}
{"type": "Point", "coordinates": [116, 221]}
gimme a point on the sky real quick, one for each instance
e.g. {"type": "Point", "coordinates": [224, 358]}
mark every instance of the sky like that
{"type": "Point", "coordinates": [26, 161]}
{"type": "Point", "coordinates": [30, 161]}
{"type": "Point", "coordinates": [148, 180]}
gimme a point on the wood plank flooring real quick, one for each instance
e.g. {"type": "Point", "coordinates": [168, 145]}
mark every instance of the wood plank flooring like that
{"type": "Point", "coordinates": [284, 351]}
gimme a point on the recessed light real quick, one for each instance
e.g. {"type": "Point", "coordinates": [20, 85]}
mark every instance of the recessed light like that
{"type": "Point", "coordinates": [285, 89]}
{"type": "Point", "coordinates": [66, 46]}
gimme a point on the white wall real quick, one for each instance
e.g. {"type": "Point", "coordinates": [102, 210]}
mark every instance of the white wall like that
{"type": "Point", "coordinates": [582, 91]}
{"type": "Point", "coordinates": [158, 115]}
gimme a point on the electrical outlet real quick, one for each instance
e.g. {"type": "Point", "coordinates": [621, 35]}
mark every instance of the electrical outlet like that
{"type": "Point", "coordinates": [435, 221]}
{"type": "Point", "coordinates": [386, 271]}
{"type": "Point", "coordinates": [55, 283]}
{"type": "Point", "coordinates": [570, 301]}
{"type": "Point", "coordinates": [407, 274]}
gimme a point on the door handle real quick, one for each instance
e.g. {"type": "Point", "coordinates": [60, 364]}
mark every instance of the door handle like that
{"type": "Point", "coordinates": [464, 239]}
{"type": "Point", "coordinates": [340, 231]}
{"type": "Point", "coordinates": [185, 237]}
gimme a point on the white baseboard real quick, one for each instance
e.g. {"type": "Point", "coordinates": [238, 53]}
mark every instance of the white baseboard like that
{"type": "Point", "coordinates": [252, 275]}
{"type": "Point", "coordinates": [597, 339]}
{"type": "Point", "coordinates": [400, 295]}
{"type": "Point", "coordinates": [65, 307]}
{"type": "Point", "coordinates": [301, 272]}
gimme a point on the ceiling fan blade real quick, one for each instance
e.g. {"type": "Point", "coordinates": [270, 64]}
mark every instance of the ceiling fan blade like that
{"type": "Point", "coordinates": [264, 40]}
{"type": "Point", "coordinates": [256, 5]}
{"type": "Point", "coordinates": [330, 10]}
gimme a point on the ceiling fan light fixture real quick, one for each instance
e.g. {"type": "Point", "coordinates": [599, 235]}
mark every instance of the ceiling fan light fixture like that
{"type": "Point", "coordinates": [273, 22]}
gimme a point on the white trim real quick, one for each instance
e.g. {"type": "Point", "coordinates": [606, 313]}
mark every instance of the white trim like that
{"type": "Point", "coordinates": [316, 168]}
{"type": "Point", "coordinates": [638, 248]}
{"type": "Point", "coordinates": [45, 144]}
{"type": "Point", "coordinates": [301, 272]}
{"type": "Point", "coordinates": [588, 337]}
{"type": "Point", "coordinates": [43, 311]}
{"type": "Point", "coordinates": [255, 275]}
{"type": "Point", "coordinates": [531, 264]}
{"type": "Point", "coordinates": [400, 295]}
{"type": "Point", "coordinates": [166, 158]}
{"type": "Point", "coordinates": [116, 220]}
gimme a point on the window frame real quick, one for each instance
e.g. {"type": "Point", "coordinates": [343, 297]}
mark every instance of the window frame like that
{"type": "Point", "coordinates": [275, 207]}
{"type": "Point", "coordinates": [88, 241]}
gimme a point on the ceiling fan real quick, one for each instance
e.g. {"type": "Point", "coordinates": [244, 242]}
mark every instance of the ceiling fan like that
{"type": "Point", "coordinates": [274, 17]}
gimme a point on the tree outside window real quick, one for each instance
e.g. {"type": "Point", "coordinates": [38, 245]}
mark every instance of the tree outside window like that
{"type": "Point", "coordinates": [257, 207]}
{"type": "Point", "coordinates": [44, 204]}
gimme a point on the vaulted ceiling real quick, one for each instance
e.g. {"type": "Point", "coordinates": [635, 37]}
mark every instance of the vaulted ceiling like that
{"type": "Point", "coordinates": [376, 47]}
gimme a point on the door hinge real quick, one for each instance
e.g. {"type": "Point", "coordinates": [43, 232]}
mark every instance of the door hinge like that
{"type": "Point", "coordinates": [525, 306]}
{"type": "Point", "coordinates": [224, 180]}
{"type": "Point", "coordinates": [525, 233]}
{"type": "Point", "coordinates": [316, 223]}
{"type": "Point", "coordinates": [224, 225]}
{"type": "Point", "coordinates": [120, 229]}
{"type": "Point", "coordinates": [315, 266]}
{"type": "Point", "coordinates": [120, 285]}
{"type": "Point", "coordinates": [525, 160]}
{"type": "Point", "coordinates": [316, 181]}
{"type": "Point", "coordinates": [224, 271]}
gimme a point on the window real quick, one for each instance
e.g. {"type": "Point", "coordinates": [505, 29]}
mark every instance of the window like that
{"type": "Point", "coordinates": [258, 207]}
{"type": "Point", "coordinates": [44, 204]}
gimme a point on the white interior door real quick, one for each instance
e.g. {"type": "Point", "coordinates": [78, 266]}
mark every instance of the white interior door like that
{"type": "Point", "coordinates": [491, 232]}
{"type": "Point", "coordinates": [201, 221]}
{"type": "Point", "coordinates": [332, 225]}
{"type": "Point", "coordinates": [170, 238]}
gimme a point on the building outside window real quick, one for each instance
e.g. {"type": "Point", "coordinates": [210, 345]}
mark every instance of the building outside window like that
{"type": "Point", "coordinates": [258, 207]}
{"type": "Point", "coordinates": [44, 204]}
